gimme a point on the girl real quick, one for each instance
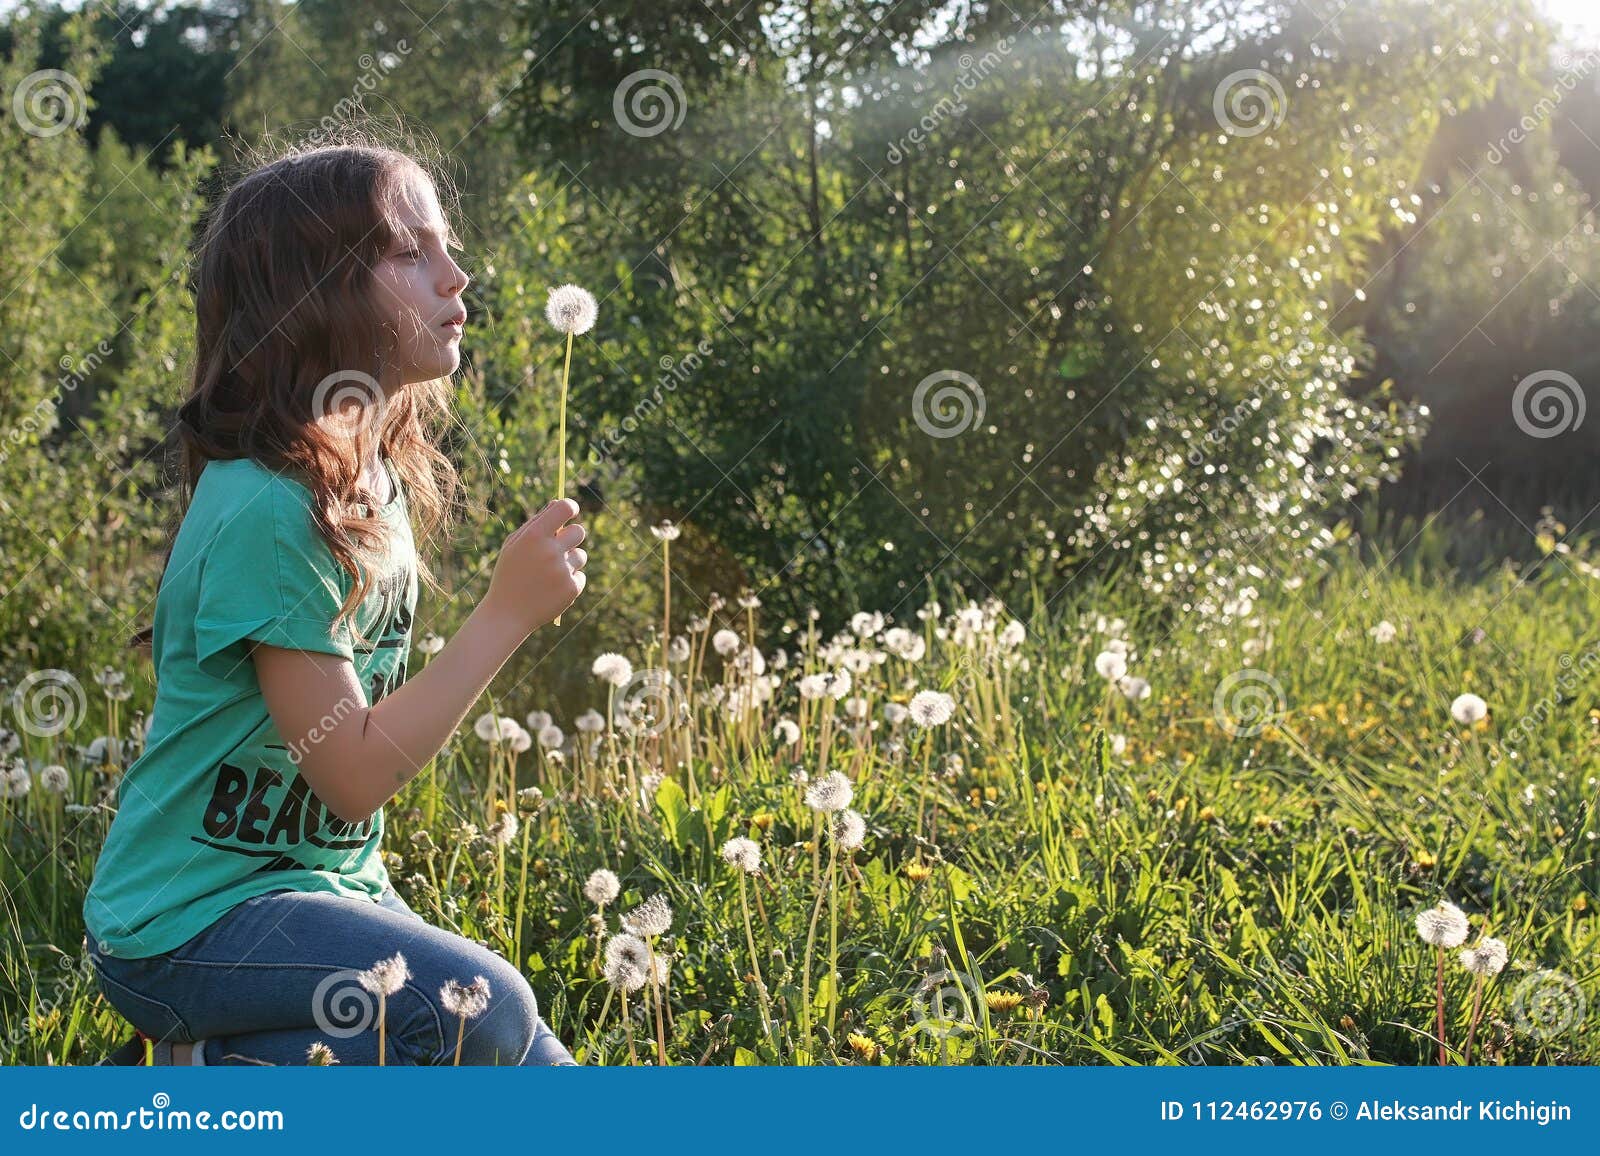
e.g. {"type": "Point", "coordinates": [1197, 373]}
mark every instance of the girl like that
{"type": "Point", "coordinates": [241, 890]}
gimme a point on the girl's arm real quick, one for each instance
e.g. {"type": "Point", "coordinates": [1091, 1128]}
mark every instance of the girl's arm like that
{"type": "Point", "coordinates": [356, 757]}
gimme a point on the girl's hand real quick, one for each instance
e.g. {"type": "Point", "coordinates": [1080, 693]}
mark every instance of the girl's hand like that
{"type": "Point", "coordinates": [540, 569]}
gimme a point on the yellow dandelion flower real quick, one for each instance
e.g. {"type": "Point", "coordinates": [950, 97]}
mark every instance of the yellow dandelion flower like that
{"type": "Point", "coordinates": [1002, 1001]}
{"type": "Point", "coordinates": [1208, 814]}
{"type": "Point", "coordinates": [1426, 858]}
{"type": "Point", "coordinates": [762, 820]}
{"type": "Point", "coordinates": [917, 872]}
{"type": "Point", "coordinates": [1262, 822]}
{"type": "Point", "coordinates": [866, 1049]}
{"type": "Point", "coordinates": [1580, 902]}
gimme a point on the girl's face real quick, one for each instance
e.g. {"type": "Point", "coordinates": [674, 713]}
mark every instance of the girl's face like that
{"type": "Point", "coordinates": [418, 287]}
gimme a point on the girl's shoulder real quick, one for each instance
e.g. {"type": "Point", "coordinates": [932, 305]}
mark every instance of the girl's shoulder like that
{"type": "Point", "coordinates": [239, 494]}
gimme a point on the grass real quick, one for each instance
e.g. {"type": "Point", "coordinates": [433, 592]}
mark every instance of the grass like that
{"type": "Point", "coordinates": [1183, 879]}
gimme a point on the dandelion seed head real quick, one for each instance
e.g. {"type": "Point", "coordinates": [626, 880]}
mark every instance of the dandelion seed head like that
{"type": "Point", "coordinates": [627, 962]}
{"type": "Point", "coordinates": [1486, 957]}
{"type": "Point", "coordinates": [831, 793]}
{"type": "Point", "coordinates": [613, 668]}
{"type": "Point", "coordinates": [850, 830]}
{"type": "Point", "coordinates": [931, 708]}
{"type": "Point", "coordinates": [55, 779]}
{"type": "Point", "coordinates": [467, 1000]}
{"type": "Point", "coordinates": [652, 917]}
{"type": "Point", "coordinates": [745, 854]}
{"type": "Point", "coordinates": [1443, 925]}
{"type": "Point", "coordinates": [385, 977]}
{"type": "Point", "coordinates": [1110, 665]}
{"type": "Point", "coordinates": [571, 309]}
{"type": "Point", "coordinates": [602, 887]}
{"type": "Point", "coordinates": [1467, 709]}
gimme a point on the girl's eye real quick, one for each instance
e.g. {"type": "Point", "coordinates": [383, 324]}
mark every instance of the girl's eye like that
{"type": "Point", "coordinates": [410, 254]}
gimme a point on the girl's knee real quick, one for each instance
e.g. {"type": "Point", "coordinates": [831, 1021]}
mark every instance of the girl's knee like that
{"type": "Point", "coordinates": [505, 1031]}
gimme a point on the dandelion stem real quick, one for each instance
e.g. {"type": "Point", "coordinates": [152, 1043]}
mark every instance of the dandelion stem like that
{"type": "Point", "coordinates": [1440, 992]}
{"type": "Point", "coordinates": [561, 439]}
{"type": "Point", "coordinates": [381, 1029]}
{"type": "Point", "coordinates": [833, 934]}
{"type": "Point", "coordinates": [461, 1033]}
{"type": "Point", "coordinates": [627, 1025]}
{"type": "Point", "coordinates": [1477, 1010]}
{"type": "Point", "coordinates": [755, 962]}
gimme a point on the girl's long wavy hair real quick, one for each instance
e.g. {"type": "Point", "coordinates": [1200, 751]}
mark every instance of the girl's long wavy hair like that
{"type": "Point", "coordinates": [285, 321]}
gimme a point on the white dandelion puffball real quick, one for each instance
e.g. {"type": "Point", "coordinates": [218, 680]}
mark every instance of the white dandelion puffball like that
{"type": "Point", "coordinates": [786, 732]}
{"type": "Point", "coordinates": [602, 887]}
{"type": "Point", "coordinates": [745, 854]}
{"type": "Point", "coordinates": [652, 917]}
{"type": "Point", "coordinates": [487, 727]}
{"type": "Point", "coordinates": [430, 643]}
{"type": "Point", "coordinates": [1013, 634]}
{"type": "Point", "coordinates": [667, 531]}
{"type": "Point", "coordinates": [850, 830]}
{"type": "Point", "coordinates": [1110, 665]}
{"type": "Point", "coordinates": [613, 668]}
{"type": "Point", "coordinates": [18, 782]}
{"type": "Point", "coordinates": [931, 708]}
{"type": "Point", "coordinates": [725, 642]}
{"type": "Point", "coordinates": [551, 737]}
{"type": "Point", "coordinates": [1443, 925]}
{"type": "Point", "coordinates": [521, 740]}
{"type": "Point", "coordinates": [538, 720]}
{"type": "Point", "coordinates": [1486, 957]}
{"type": "Point", "coordinates": [1467, 709]}
{"type": "Point", "coordinates": [1133, 688]}
{"type": "Point", "coordinates": [54, 779]}
{"type": "Point", "coordinates": [385, 977]}
{"type": "Point", "coordinates": [1383, 633]}
{"type": "Point", "coordinates": [894, 713]}
{"type": "Point", "coordinates": [571, 309]}
{"type": "Point", "coordinates": [627, 964]}
{"type": "Point", "coordinates": [503, 830]}
{"type": "Point", "coordinates": [591, 722]}
{"type": "Point", "coordinates": [831, 793]}
{"type": "Point", "coordinates": [467, 1000]}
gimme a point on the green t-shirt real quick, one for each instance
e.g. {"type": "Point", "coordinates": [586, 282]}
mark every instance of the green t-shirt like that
{"type": "Point", "coordinates": [214, 810]}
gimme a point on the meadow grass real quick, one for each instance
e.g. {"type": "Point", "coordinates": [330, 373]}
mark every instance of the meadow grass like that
{"type": "Point", "coordinates": [1225, 871]}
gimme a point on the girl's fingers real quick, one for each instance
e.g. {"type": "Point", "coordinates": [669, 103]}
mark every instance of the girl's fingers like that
{"type": "Point", "coordinates": [570, 536]}
{"type": "Point", "coordinates": [577, 559]}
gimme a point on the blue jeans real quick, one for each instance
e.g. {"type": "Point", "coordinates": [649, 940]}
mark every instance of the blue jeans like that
{"type": "Point", "coordinates": [276, 974]}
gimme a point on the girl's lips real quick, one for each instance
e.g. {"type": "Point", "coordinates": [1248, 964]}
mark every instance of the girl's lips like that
{"type": "Point", "coordinates": [454, 328]}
